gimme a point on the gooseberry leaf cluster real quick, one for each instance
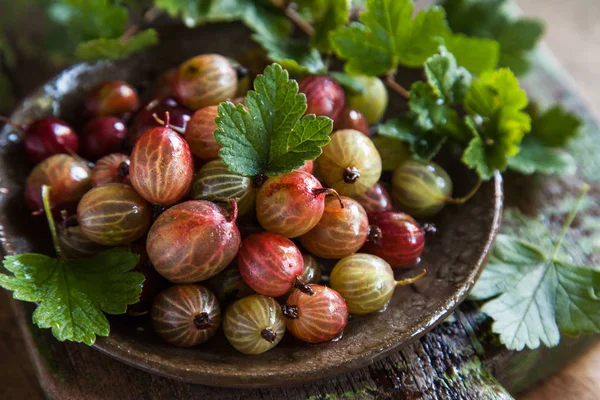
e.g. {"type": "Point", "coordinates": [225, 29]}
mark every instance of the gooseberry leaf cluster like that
{"type": "Point", "coordinates": [533, 293]}
{"type": "Point", "coordinates": [117, 48]}
{"type": "Point", "coordinates": [271, 136]}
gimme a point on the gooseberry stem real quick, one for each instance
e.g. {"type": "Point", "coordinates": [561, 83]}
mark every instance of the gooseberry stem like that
{"type": "Point", "coordinates": [123, 169]}
{"type": "Point", "coordinates": [202, 321]}
{"type": "Point", "coordinates": [410, 281]}
{"type": "Point", "coordinates": [467, 197]}
{"type": "Point", "coordinates": [303, 287]}
{"type": "Point", "coordinates": [290, 312]}
{"type": "Point", "coordinates": [329, 191]}
{"type": "Point", "coordinates": [290, 12]}
{"type": "Point", "coordinates": [48, 210]}
{"type": "Point", "coordinates": [13, 124]}
{"type": "Point", "coordinates": [396, 87]}
{"type": "Point", "coordinates": [269, 335]}
{"type": "Point", "coordinates": [569, 221]}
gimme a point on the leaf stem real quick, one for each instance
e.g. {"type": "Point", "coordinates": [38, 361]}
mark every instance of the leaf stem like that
{"type": "Point", "coordinates": [148, 17]}
{"type": "Point", "coordinates": [569, 221]}
{"type": "Point", "coordinates": [390, 80]}
{"type": "Point", "coordinates": [48, 210]}
{"type": "Point", "coordinates": [292, 14]}
{"type": "Point", "coordinates": [465, 198]}
{"type": "Point", "coordinates": [409, 281]}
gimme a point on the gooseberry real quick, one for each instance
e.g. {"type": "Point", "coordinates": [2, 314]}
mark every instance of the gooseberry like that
{"type": "Point", "coordinates": [342, 230]}
{"type": "Point", "coordinates": [308, 167]}
{"type": "Point", "coordinates": [215, 182]}
{"type": "Point", "coordinates": [153, 283]}
{"type": "Point", "coordinates": [113, 168]}
{"type": "Point", "coordinates": [46, 137]}
{"type": "Point", "coordinates": [205, 80]}
{"type": "Point", "coordinates": [162, 167]}
{"type": "Point", "coordinates": [199, 133]}
{"type": "Point", "coordinates": [393, 152]}
{"type": "Point", "coordinates": [352, 119]}
{"type": "Point", "coordinates": [270, 264]}
{"type": "Point", "coordinates": [372, 102]}
{"type": "Point", "coordinates": [366, 282]}
{"type": "Point", "coordinates": [324, 96]}
{"type": "Point", "coordinates": [421, 189]}
{"type": "Point", "coordinates": [164, 83]}
{"type": "Point", "coordinates": [375, 199]}
{"type": "Point", "coordinates": [68, 177]}
{"type": "Point", "coordinates": [144, 120]}
{"type": "Point", "coordinates": [317, 317]}
{"type": "Point", "coordinates": [312, 269]}
{"type": "Point", "coordinates": [290, 204]}
{"type": "Point", "coordinates": [228, 285]}
{"type": "Point", "coordinates": [114, 98]}
{"type": "Point", "coordinates": [186, 315]}
{"type": "Point", "coordinates": [102, 136]}
{"type": "Point", "coordinates": [75, 244]}
{"type": "Point", "coordinates": [350, 163]}
{"type": "Point", "coordinates": [193, 241]}
{"type": "Point", "coordinates": [254, 324]}
{"type": "Point", "coordinates": [398, 239]}
{"type": "Point", "coordinates": [113, 215]}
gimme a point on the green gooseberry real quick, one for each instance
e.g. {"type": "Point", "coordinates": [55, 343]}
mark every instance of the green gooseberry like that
{"type": "Point", "coordinates": [372, 101]}
{"type": "Point", "coordinates": [421, 189]}
{"type": "Point", "coordinates": [393, 152]}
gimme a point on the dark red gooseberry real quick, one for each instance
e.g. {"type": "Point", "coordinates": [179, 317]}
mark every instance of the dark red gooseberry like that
{"type": "Point", "coordinates": [164, 83]}
{"type": "Point", "coordinates": [352, 119]}
{"type": "Point", "coordinates": [375, 199]}
{"type": "Point", "coordinates": [290, 204]}
{"type": "Point", "coordinates": [162, 166]}
{"type": "Point", "coordinates": [317, 317]}
{"type": "Point", "coordinates": [324, 96]}
{"type": "Point", "coordinates": [308, 167]}
{"type": "Point", "coordinates": [186, 315]}
{"type": "Point", "coordinates": [113, 168]}
{"type": "Point", "coordinates": [340, 232]}
{"type": "Point", "coordinates": [270, 264]}
{"type": "Point", "coordinates": [193, 241]}
{"type": "Point", "coordinates": [113, 215]}
{"type": "Point", "coordinates": [68, 177]}
{"type": "Point", "coordinates": [114, 98]}
{"type": "Point", "coordinates": [102, 136]}
{"type": "Point", "coordinates": [205, 80]}
{"type": "Point", "coordinates": [144, 120]}
{"type": "Point", "coordinates": [46, 137]}
{"type": "Point", "coordinates": [396, 237]}
{"type": "Point", "coordinates": [199, 133]}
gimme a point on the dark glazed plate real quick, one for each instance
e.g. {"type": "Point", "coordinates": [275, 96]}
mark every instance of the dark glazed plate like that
{"type": "Point", "coordinates": [454, 257]}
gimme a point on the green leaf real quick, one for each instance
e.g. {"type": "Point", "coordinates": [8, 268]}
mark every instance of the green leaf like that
{"type": "Point", "coordinates": [387, 36]}
{"type": "Point", "coordinates": [335, 16]}
{"type": "Point", "coordinates": [488, 19]}
{"type": "Point", "coordinates": [478, 55]}
{"type": "Point", "coordinates": [498, 123]}
{"type": "Point", "coordinates": [117, 49]}
{"type": "Point", "coordinates": [351, 83]}
{"type": "Point", "coordinates": [535, 157]}
{"type": "Point", "coordinates": [271, 136]}
{"type": "Point", "coordinates": [191, 12]}
{"type": "Point", "coordinates": [294, 55]}
{"type": "Point", "coordinates": [73, 294]}
{"type": "Point", "coordinates": [90, 19]}
{"type": "Point", "coordinates": [555, 127]}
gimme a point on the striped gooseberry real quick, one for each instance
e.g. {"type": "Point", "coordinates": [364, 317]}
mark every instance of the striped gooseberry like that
{"type": "Point", "coordinates": [317, 317]}
{"type": "Point", "coordinates": [68, 177]}
{"type": "Point", "coordinates": [113, 168]}
{"type": "Point", "coordinates": [342, 230]}
{"type": "Point", "coordinates": [162, 167]}
{"type": "Point", "coordinates": [324, 96]}
{"type": "Point", "coordinates": [228, 285]}
{"type": "Point", "coordinates": [352, 119]}
{"type": "Point", "coordinates": [375, 199]}
{"type": "Point", "coordinates": [291, 204]}
{"type": "Point", "coordinates": [186, 315]}
{"type": "Point", "coordinates": [350, 163]}
{"type": "Point", "coordinates": [205, 80]}
{"type": "Point", "coordinates": [193, 241]}
{"type": "Point", "coordinates": [199, 133]}
{"type": "Point", "coordinates": [75, 244]}
{"type": "Point", "coordinates": [421, 189]}
{"type": "Point", "coordinates": [215, 182]}
{"type": "Point", "coordinates": [396, 237]}
{"type": "Point", "coordinates": [114, 98]}
{"type": "Point", "coordinates": [113, 215]}
{"type": "Point", "coordinates": [254, 324]}
{"type": "Point", "coordinates": [270, 264]}
{"type": "Point", "coordinates": [366, 282]}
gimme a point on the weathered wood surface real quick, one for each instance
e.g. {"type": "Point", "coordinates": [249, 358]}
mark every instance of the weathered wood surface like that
{"type": "Point", "coordinates": [446, 363]}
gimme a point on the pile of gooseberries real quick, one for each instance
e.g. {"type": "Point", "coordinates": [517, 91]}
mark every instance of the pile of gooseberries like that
{"type": "Point", "coordinates": [222, 250]}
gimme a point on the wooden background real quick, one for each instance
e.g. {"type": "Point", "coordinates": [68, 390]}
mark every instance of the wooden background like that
{"type": "Point", "coordinates": [574, 36]}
